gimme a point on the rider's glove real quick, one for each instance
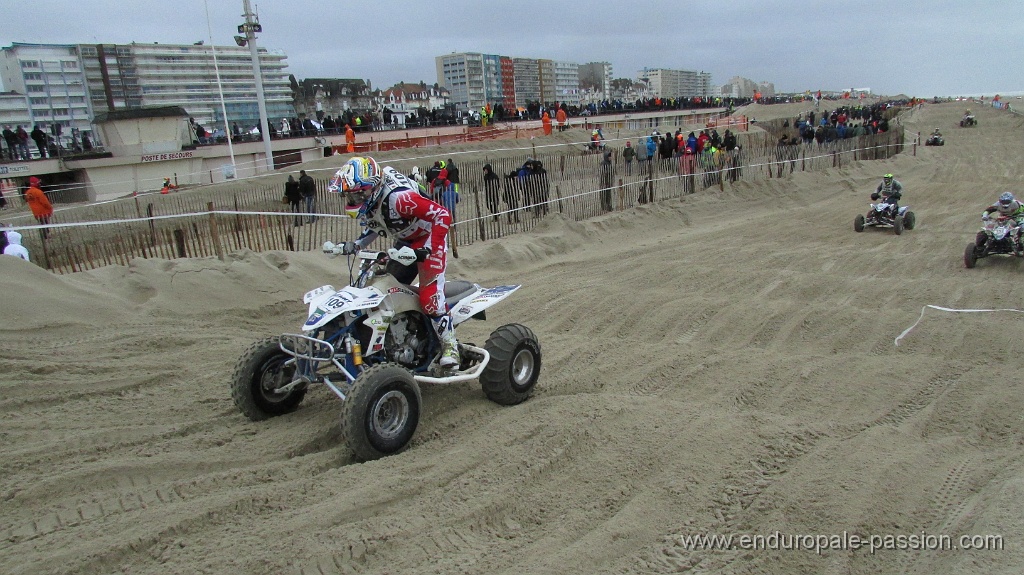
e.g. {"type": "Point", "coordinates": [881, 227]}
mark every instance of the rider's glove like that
{"type": "Point", "coordinates": [349, 248]}
{"type": "Point", "coordinates": [422, 254]}
{"type": "Point", "coordinates": [985, 217]}
{"type": "Point", "coordinates": [874, 196]}
{"type": "Point", "coordinates": [434, 263]}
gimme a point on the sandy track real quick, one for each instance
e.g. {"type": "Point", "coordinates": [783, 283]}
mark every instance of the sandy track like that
{"type": "Point", "coordinates": [722, 364]}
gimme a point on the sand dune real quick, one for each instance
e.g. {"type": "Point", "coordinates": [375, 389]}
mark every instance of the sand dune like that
{"type": "Point", "coordinates": [723, 364]}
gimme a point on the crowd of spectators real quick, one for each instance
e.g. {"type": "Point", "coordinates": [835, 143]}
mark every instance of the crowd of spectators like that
{"type": "Point", "coordinates": [14, 145]}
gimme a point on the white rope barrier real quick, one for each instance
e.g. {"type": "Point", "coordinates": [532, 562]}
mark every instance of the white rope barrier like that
{"type": "Point", "coordinates": [906, 331]}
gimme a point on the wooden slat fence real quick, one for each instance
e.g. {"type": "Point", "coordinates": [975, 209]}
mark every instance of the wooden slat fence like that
{"type": "Point", "coordinates": [571, 188]}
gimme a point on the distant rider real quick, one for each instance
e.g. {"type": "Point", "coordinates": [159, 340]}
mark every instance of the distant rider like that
{"type": "Point", "coordinates": [388, 203]}
{"type": "Point", "coordinates": [890, 191]}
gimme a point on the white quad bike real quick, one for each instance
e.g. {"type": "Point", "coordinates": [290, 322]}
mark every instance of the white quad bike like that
{"type": "Point", "coordinates": [881, 214]}
{"type": "Point", "coordinates": [374, 335]}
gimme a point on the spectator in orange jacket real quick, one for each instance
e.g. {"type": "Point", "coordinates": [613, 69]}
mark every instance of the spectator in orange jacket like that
{"type": "Point", "coordinates": [40, 205]}
{"type": "Point", "coordinates": [561, 118]}
{"type": "Point", "coordinates": [350, 139]}
{"type": "Point", "coordinates": [546, 122]}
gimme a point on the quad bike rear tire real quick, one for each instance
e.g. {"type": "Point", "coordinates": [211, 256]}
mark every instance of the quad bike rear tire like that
{"type": "Point", "coordinates": [514, 367]}
{"type": "Point", "coordinates": [381, 411]}
{"type": "Point", "coordinates": [897, 225]}
{"type": "Point", "coordinates": [259, 371]}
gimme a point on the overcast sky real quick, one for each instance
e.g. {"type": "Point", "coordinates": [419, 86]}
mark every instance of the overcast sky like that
{"type": "Point", "coordinates": [920, 48]}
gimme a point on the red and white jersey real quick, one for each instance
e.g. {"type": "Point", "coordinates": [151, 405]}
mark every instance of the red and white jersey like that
{"type": "Point", "coordinates": [407, 215]}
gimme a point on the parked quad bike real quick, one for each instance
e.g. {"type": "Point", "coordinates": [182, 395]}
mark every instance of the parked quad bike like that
{"type": "Point", "coordinates": [881, 214]}
{"type": "Point", "coordinates": [374, 339]}
{"type": "Point", "coordinates": [998, 235]}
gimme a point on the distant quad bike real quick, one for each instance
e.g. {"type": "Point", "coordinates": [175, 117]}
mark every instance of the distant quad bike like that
{"type": "Point", "coordinates": [881, 214]}
{"type": "Point", "coordinates": [998, 235]}
{"type": "Point", "coordinates": [372, 346]}
{"type": "Point", "coordinates": [934, 140]}
{"type": "Point", "coordinates": [968, 121]}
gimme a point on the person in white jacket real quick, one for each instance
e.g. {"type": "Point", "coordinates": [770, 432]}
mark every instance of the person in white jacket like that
{"type": "Point", "coordinates": [14, 247]}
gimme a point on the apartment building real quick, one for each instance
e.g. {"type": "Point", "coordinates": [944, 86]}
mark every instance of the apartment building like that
{"type": "Point", "coordinates": [136, 75]}
{"type": "Point", "coordinates": [51, 78]}
{"type": "Point", "coordinates": [667, 83]}
{"type": "Point", "coordinates": [70, 84]}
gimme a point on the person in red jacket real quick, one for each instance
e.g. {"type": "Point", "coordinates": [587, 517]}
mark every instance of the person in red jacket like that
{"type": "Point", "coordinates": [388, 203]}
{"type": "Point", "coordinates": [39, 203]}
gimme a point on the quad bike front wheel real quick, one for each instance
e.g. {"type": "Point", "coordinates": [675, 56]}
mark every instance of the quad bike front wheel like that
{"type": "Point", "coordinates": [514, 368]}
{"type": "Point", "coordinates": [261, 370]}
{"type": "Point", "coordinates": [970, 256]}
{"type": "Point", "coordinates": [381, 412]}
{"type": "Point", "coordinates": [858, 223]}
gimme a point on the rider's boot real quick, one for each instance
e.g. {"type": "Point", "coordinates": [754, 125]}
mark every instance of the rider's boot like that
{"type": "Point", "coordinates": [445, 330]}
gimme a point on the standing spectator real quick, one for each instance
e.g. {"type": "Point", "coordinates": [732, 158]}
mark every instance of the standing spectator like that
{"type": "Point", "coordinates": [453, 175]}
{"type": "Point", "coordinates": [449, 197]}
{"type": "Point", "coordinates": [40, 205]}
{"type": "Point", "coordinates": [12, 143]}
{"type": "Point", "coordinates": [350, 139]}
{"type": "Point", "coordinates": [641, 152]}
{"type": "Point", "coordinates": [39, 137]}
{"type": "Point", "coordinates": [561, 118]}
{"type": "Point", "coordinates": [512, 195]}
{"type": "Point", "coordinates": [545, 121]}
{"type": "Point", "coordinates": [652, 146]}
{"type": "Point", "coordinates": [440, 182]}
{"type": "Point", "coordinates": [492, 185]}
{"type": "Point", "coordinates": [14, 247]}
{"type": "Point", "coordinates": [22, 139]}
{"type": "Point", "coordinates": [607, 181]}
{"type": "Point", "coordinates": [417, 177]}
{"type": "Point", "coordinates": [307, 187]}
{"type": "Point", "coordinates": [86, 142]}
{"type": "Point", "coordinates": [628, 154]}
{"type": "Point", "coordinates": [294, 197]}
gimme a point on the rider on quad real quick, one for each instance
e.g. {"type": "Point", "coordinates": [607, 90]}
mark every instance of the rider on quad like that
{"type": "Point", "coordinates": [890, 191]}
{"type": "Point", "coordinates": [388, 203]}
{"type": "Point", "coordinates": [1010, 207]}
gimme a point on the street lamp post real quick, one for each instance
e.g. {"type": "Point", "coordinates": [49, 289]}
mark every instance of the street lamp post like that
{"type": "Point", "coordinates": [249, 29]}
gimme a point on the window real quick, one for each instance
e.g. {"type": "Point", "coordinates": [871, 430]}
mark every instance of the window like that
{"type": "Point", "coordinates": [34, 88]}
{"type": "Point", "coordinates": [38, 101]}
{"type": "Point", "coordinates": [30, 63]}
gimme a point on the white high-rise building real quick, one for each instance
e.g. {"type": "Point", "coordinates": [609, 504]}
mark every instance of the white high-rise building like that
{"type": "Point", "coordinates": [70, 84]}
{"type": "Point", "coordinates": [135, 75]}
{"type": "Point", "coordinates": [52, 79]}
{"type": "Point", "coordinates": [666, 83]}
